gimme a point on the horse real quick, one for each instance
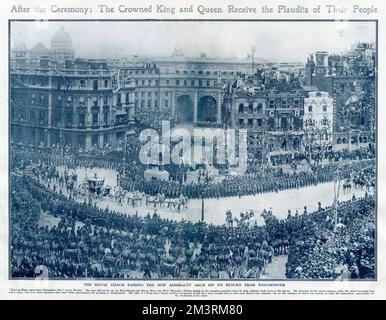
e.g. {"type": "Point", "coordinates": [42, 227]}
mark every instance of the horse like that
{"type": "Point", "coordinates": [347, 186]}
{"type": "Point", "coordinates": [229, 219]}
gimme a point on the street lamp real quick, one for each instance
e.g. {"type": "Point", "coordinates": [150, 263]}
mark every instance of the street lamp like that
{"type": "Point", "coordinates": [203, 187]}
{"type": "Point", "coordinates": [337, 182]}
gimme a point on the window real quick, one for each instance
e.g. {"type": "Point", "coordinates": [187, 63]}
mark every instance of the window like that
{"type": "Point", "coordinates": [259, 107]}
{"type": "Point", "coordinates": [149, 94]}
{"type": "Point", "coordinates": [241, 107]}
{"type": "Point", "coordinates": [166, 103]}
{"type": "Point", "coordinates": [271, 103]}
{"type": "Point", "coordinates": [167, 82]}
{"type": "Point", "coordinates": [95, 119]}
{"type": "Point", "coordinates": [309, 108]}
{"type": "Point", "coordinates": [324, 108]}
{"type": "Point", "coordinates": [208, 83]}
{"type": "Point", "coordinates": [185, 82]}
{"type": "Point", "coordinates": [177, 82]}
{"type": "Point", "coordinates": [250, 122]}
{"type": "Point", "coordinates": [192, 83]}
{"type": "Point", "coordinates": [200, 83]}
{"type": "Point", "coordinates": [250, 107]}
{"type": "Point", "coordinates": [82, 84]}
{"type": "Point", "coordinates": [166, 94]}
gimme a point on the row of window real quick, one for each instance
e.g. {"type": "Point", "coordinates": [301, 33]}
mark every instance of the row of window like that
{"type": "Point", "coordinates": [250, 122]}
{"type": "Point", "coordinates": [215, 73]}
{"type": "Point", "coordinates": [324, 108]}
{"type": "Point", "coordinates": [312, 122]}
{"type": "Point", "coordinates": [177, 82]}
{"type": "Point", "coordinates": [251, 107]}
{"type": "Point", "coordinates": [283, 103]}
{"type": "Point", "coordinates": [354, 140]}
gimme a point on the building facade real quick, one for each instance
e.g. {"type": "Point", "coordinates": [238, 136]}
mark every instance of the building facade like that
{"type": "Point", "coordinates": [350, 79]}
{"type": "Point", "coordinates": [318, 121]}
{"type": "Point", "coordinates": [191, 88]}
{"type": "Point", "coordinates": [57, 99]}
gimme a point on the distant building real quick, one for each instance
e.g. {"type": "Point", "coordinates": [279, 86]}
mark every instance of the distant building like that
{"type": "Point", "coordinates": [318, 120]}
{"type": "Point", "coordinates": [191, 88]}
{"type": "Point", "coordinates": [56, 99]}
{"type": "Point", "coordinates": [61, 46]}
{"type": "Point", "coordinates": [350, 80]}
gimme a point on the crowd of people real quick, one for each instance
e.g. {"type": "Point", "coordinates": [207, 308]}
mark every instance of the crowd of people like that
{"type": "Point", "coordinates": [348, 254]}
{"type": "Point", "coordinates": [152, 119]}
{"type": "Point", "coordinates": [89, 242]}
{"type": "Point", "coordinates": [256, 180]}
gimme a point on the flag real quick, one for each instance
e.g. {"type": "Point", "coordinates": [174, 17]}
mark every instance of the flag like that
{"type": "Point", "coordinates": [116, 85]}
{"type": "Point", "coordinates": [202, 209]}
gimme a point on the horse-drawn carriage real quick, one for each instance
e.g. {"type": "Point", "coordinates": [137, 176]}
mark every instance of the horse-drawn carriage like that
{"type": "Point", "coordinates": [177, 204]}
{"type": "Point", "coordinates": [254, 262]}
{"type": "Point", "coordinates": [109, 261]}
{"type": "Point", "coordinates": [95, 184]}
{"type": "Point", "coordinates": [72, 254]}
{"type": "Point", "coordinates": [167, 269]}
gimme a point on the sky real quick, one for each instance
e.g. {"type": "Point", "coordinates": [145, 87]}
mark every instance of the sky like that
{"type": "Point", "coordinates": [273, 41]}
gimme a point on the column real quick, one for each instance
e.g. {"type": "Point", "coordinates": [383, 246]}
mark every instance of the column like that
{"type": "Point", "coordinates": [88, 116]}
{"type": "Point", "coordinates": [75, 118]}
{"type": "Point", "coordinates": [100, 140]}
{"type": "Point", "coordinates": [113, 104]}
{"type": "Point", "coordinates": [146, 99]}
{"type": "Point", "coordinates": [152, 101]}
{"type": "Point", "coordinates": [100, 118]}
{"type": "Point", "coordinates": [48, 138]}
{"type": "Point", "coordinates": [218, 118]}
{"type": "Point", "coordinates": [123, 98]}
{"type": "Point", "coordinates": [74, 140]}
{"type": "Point", "coordinates": [88, 141]}
{"type": "Point", "coordinates": [173, 102]}
{"type": "Point", "coordinates": [195, 103]}
{"type": "Point", "coordinates": [49, 109]}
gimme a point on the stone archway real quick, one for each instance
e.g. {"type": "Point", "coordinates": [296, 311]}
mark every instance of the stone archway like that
{"type": "Point", "coordinates": [207, 109]}
{"type": "Point", "coordinates": [184, 109]}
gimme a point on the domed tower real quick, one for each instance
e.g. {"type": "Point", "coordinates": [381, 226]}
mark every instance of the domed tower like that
{"type": "Point", "coordinates": [61, 46]}
{"type": "Point", "coordinates": [38, 50]}
{"type": "Point", "coordinates": [310, 68]}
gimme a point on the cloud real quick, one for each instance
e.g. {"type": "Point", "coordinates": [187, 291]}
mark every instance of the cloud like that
{"type": "Point", "coordinates": [282, 41]}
